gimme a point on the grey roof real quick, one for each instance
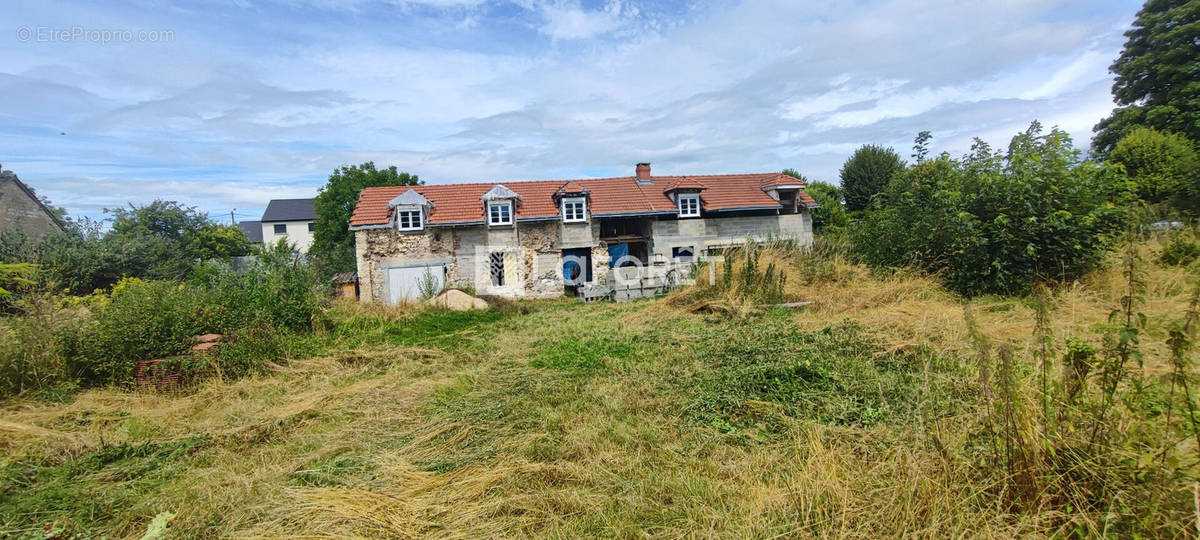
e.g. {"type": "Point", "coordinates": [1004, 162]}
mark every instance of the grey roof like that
{"type": "Point", "coordinates": [253, 230]}
{"type": "Point", "coordinates": [289, 210]}
{"type": "Point", "coordinates": [499, 192]}
{"type": "Point", "coordinates": [408, 198]}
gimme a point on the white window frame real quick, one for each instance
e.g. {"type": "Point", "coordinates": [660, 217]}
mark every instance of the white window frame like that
{"type": "Point", "coordinates": [567, 216]}
{"type": "Point", "coordinates": [494, 204]}
{"type": "Point", "coordinates": [693, 205]}
{"type": "Point", "coordinates": [416, 219]}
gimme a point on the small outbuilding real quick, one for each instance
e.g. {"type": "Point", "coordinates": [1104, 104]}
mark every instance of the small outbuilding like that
{"type": "Point", "coordinates": [345, 285]}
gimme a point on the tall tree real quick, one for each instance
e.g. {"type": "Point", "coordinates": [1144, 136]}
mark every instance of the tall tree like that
{"type": "Point", "coordinates": [1158, 74]}
{"type": "Point", "coordinates": [866, 173]}
{"type": "Point", "coordinates": [333, 243]}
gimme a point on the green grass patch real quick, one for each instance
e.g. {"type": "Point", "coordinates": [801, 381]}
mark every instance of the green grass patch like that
{"type": "Point", "coordinates": [582, 356]}
{"type": "Point", "coordinates": [91, 491]}
{"type": "Point", "coordinates": [431, 328]}
{"type": "Point", "coordinates": [837, 375]}
{"type": "Point", "coordinates": [342, 468]}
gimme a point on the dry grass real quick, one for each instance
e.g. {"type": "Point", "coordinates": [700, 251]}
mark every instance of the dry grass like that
{"type": "Point", "coordinates": [908, 308]}
{"type": "Point", "coordinates": [387, 440]}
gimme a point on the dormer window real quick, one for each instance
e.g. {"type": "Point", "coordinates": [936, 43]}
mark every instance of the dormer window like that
{"type": "Point", "coordinates": [409, 220]}
{"type": "Point", "coordinates": [410, 209]}
{"type": "Point", "coordinates": [500, 213]}
{"type": "Point", "coordinates": [574, 209]}
{"type": "Point", "coordinates": [499, 205]}
{"type": "Point", "coordinates": [689, 205]}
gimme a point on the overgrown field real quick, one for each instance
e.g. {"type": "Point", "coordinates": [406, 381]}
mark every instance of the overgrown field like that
{"type": "Point", "coordinates": [864, 414]}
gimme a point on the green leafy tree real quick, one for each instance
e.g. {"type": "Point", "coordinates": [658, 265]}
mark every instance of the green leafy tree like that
{"type": "Point", "coordinates": [999, 223]}
{"type": "Point", "coordinates": [1163, 166]}
{"type": "Point", "coordinates": [163, 239]}
{"type": "Point", "coordinates": [1157, 75]}
{"type": "Point", "coordinates": [215, 241]}
{"type": "Point", "coordinates": [866, 173]}
{"type": "Point", "coordinates": [164, 219]}
{"type": "Point", "coordinates": [830, 214]}
{"type": "Point", "coordinates": [333, 242]}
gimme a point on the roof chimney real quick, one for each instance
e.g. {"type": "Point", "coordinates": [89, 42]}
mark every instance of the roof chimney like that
{"type": "Point", "coordinates": [643, 172]}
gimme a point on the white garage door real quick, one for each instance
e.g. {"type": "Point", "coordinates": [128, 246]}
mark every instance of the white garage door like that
{"type": "Point", "coordinates": [406, 283]}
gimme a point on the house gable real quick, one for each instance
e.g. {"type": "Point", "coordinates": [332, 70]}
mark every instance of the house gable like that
{"type": "Point", "coordinates": [21, 210]}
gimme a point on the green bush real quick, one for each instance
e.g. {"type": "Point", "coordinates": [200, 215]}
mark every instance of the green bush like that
{"type": "Point", "coordinates": [992, 223]}
{"type": "Point", "coordinates": [139, 320]}
{"type": "Point", "coordinates": [280, 290]}
{"type": "Point", "coordinates": [246, 351]}
{"type": "Point", "coordinates": [1162, 166]}
{"type": "Point", "coordinates": [30, 352]}
{"type": "Point", "coordinates": [162, 240]}
{"type": "Point", "coordinates": [99, 339]}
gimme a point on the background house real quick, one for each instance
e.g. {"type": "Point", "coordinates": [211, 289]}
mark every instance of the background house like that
{"type": "Point", "coordinates": [20, 209]}
{"type": "Point", "coordinates": [543, 238]}
{"type": "Point", "coordinates": [292, 219]}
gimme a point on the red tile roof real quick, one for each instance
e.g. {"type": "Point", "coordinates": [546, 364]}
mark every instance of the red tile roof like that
{"type": "Point", "coordinates": [686, 182]}
{"type": "Point", "coordinates": [460, 203]}
{"type": "Point", "coordinates": [572, 187]}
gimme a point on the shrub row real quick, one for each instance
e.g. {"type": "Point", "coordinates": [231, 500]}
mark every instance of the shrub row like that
{"type": "Point", "coordinates": [98, 339]}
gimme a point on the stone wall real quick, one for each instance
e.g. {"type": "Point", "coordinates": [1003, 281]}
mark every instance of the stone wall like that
{"type": "Point", "coordinates": [20, 212]}
{"type": "Point", "coordinates": [380, 249]}
{"type": "Point", "coordinates": [541, 258]}
{"type": "Point", "coordinates": [534, 270]}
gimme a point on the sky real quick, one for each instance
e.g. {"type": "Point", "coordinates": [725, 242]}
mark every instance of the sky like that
{"type": "Point", "coordinates": [226, 104]}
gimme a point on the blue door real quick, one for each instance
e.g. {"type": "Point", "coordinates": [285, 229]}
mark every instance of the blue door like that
{"type": "Point", "coordinates": [577, 265]}
{"type": "Point", "coordinates": [615, 252]}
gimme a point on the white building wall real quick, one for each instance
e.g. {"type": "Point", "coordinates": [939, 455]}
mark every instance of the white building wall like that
{"type": "Point", "coordinates": [297, 234]}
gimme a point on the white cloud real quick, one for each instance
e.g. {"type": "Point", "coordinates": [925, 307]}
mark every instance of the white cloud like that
{"type": "Point", "coordinates": [472, 89]}
{"type": "Point", "coordinates": [571, 21]}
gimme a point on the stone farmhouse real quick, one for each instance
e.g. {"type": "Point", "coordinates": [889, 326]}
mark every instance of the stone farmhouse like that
{"type": "Point", "coordinates": [549, 237]}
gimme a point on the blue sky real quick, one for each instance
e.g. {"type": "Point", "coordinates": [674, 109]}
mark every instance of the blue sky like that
{"type": "Point", "coordinates": [227, 104]}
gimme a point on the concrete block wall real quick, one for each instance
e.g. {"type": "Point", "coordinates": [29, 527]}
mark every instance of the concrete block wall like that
{"type": "Point", "coordinates": [724, 231]}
